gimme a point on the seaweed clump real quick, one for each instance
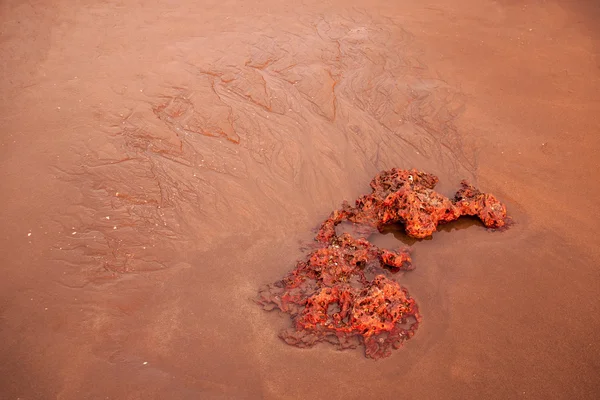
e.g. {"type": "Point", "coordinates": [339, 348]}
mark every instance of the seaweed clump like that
{"type": "Point", "coordinates": [407, 197]}
{"type": "Point", "coordinates": [344, 292]}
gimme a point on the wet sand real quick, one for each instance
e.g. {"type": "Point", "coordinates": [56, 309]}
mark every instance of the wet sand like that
{"type": "Point", "coordinates": [160, 161]}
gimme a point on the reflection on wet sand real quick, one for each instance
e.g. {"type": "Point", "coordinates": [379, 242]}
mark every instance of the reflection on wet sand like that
{"type": "Point", "coordinates": [399, 234]}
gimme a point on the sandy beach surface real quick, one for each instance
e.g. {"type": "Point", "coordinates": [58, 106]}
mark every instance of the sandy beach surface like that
{"type": "Point", "coordinates": [161, 160]}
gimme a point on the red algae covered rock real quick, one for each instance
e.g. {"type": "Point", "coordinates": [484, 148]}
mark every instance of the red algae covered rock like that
{"type": "Point", "coordinates": [487, 207]}
{"type": "Point", "coordinates": [344, 292]}
{"type": "Point", "coordinates": [407, 197]}
{"type": "Point", "coordinates": [343, 295]}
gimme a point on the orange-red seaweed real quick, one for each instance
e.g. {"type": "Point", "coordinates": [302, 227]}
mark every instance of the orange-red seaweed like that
{"type": "Point", "coordinates": [407, 197]}
{"type": "Point", "coordinates": [344, 292]}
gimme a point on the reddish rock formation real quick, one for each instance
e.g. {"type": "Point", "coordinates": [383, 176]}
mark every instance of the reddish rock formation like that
{"type": "Point", "coordinates": [344, 292]}
{"type": "Point", "coordinates": [407, 197]}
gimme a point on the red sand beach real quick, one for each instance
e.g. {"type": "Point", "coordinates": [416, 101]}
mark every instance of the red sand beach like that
{"type": "Point", "coordinates": [160, 161]}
